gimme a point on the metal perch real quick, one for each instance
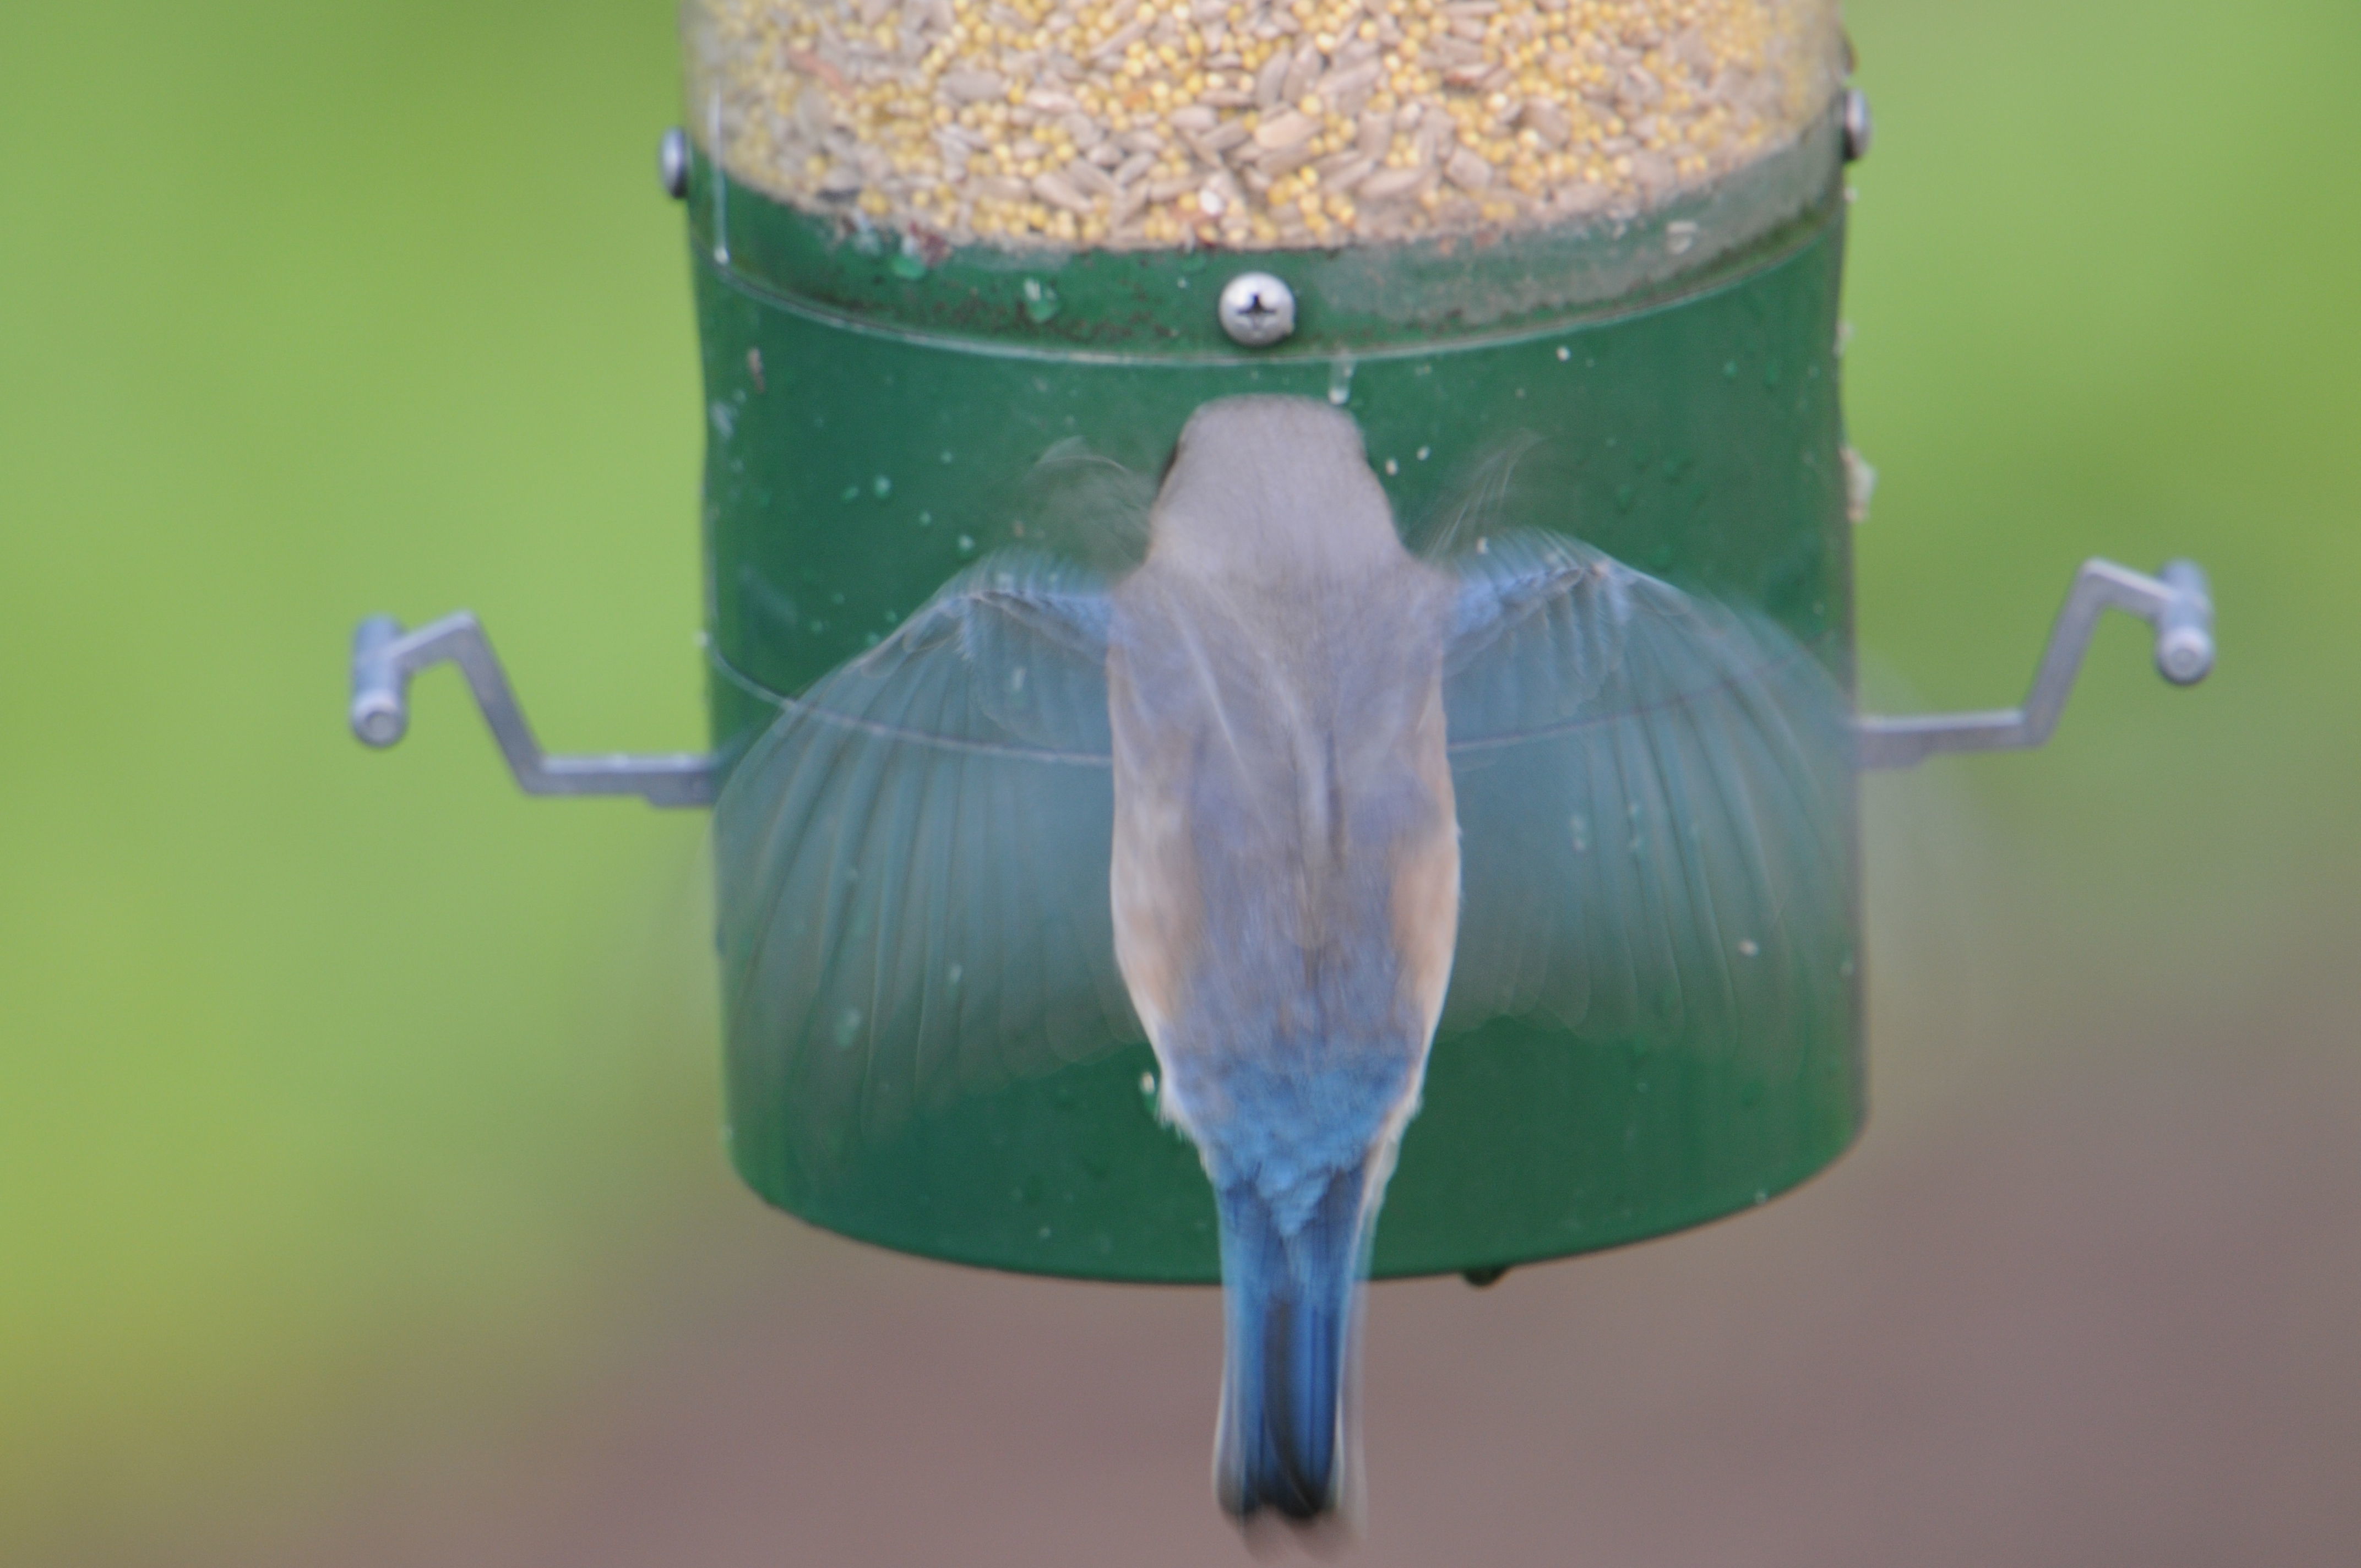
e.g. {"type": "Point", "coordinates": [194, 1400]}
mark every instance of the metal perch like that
{"type": "Point", "coordinates": [2175, 602]}
{"type": "Point", "coordinates": [385, 657]}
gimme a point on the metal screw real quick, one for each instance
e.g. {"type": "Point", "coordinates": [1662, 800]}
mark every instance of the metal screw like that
{"type": "Point", "coordinates": [1256, 309]}
{"type": "Point", "coordinates": [672, 162]}
{"type": "Point", "coordinates": [1857, 127]}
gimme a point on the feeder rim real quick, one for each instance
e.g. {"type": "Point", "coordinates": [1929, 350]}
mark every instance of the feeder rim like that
{"type": "Point", "coordinates": [1371, 302]}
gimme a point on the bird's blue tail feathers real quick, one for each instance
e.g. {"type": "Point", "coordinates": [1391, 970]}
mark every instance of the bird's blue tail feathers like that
{"type": "Point", "coordinates": [1287, 1442]}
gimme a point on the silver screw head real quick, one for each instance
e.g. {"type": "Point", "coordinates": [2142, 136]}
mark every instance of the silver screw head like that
{"type": "Point", "coordinates": [672, 162]}
{"type": "Point", "coordinates": [1256, 309]}
{"type": "Point", "coordinates": [1857, 126]}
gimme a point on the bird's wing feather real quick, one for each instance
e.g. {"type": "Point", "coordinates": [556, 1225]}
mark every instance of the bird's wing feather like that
{"type": "Point", "coordinates": [913, 859]}
{"type": "Point", "coordinates": [1654, 795]}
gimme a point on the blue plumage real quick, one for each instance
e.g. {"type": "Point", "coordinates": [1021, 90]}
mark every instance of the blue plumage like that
{"type": "Point", "coordinates": [1230, 800]}
{"type": "Point", "coordinates": [1291, 1304]}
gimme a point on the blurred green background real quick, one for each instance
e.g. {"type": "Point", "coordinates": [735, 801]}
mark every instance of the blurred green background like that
{"type": "Point", "coordinates": [356, 1114]}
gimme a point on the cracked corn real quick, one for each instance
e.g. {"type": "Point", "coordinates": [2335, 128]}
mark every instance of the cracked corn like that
{"type": "Point", "coordinates": [1247, 123]}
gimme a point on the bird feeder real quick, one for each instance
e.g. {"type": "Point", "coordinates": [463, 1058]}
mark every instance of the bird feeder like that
{"type": "Point", "coordinates": [934, 242]}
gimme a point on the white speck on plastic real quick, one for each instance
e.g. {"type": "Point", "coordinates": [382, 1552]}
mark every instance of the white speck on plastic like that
{"type": "Point", "coordinates": [1747, 949]}
{"type": "Point", "coordinates": [1564, 354]}
{"type": "Point", "coordinates": [1340, 381]}
{"type": "Point", "coordinates": [1425, 453]}
{"type": "Point", "coordinates": [1860, 485]}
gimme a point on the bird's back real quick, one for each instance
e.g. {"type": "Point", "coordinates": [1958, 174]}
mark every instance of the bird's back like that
{"type": "Point", "coordinates": [1275, 757]}
{"type": "Point", "coordinates": [1286, 867]}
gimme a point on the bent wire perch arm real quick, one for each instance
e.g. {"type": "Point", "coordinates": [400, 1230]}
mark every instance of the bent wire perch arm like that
{"type": "Point", "coordinates": [2175, 602]}
{"type": "Point", "coordinates": [385, 657]}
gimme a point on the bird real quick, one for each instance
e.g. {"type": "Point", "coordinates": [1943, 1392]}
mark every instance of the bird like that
{"type": "Point", "coordinates": [1285, 884]}
{"type": "Point", "coordinates": [1287, 799]}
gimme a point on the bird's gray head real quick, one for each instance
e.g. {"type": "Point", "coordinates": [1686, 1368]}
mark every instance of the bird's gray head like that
{"type": "Point", "coordinates": [1264, 486]}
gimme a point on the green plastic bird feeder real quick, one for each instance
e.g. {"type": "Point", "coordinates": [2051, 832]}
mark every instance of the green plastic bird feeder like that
{"type": "Point", "coordinates": [935, 244]}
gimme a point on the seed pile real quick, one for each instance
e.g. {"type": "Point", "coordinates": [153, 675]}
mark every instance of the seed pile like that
{"type": "Point", "coordinates": [1247, 123]}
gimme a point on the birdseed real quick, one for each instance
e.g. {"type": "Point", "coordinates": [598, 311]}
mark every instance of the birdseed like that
{"type": "Point", "coordinates": [1248, 124]}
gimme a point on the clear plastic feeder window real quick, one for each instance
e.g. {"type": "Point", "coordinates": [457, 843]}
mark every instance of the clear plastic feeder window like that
{"type": "Point", "coordinates": [1249, 124]}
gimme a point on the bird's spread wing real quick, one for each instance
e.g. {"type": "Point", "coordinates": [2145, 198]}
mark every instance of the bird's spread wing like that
{"type": "Point", "coordinates": [1653, 797]}
{"type": "Point", "coordinates": [913, 860]}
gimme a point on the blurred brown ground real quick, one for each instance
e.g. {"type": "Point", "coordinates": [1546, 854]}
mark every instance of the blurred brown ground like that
{"type": "Point", "coordinates": [2077, 1324]}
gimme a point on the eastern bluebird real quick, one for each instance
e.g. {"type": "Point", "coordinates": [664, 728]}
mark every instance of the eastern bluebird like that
{"type": "Point", "coordinates": [1283, 797]}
